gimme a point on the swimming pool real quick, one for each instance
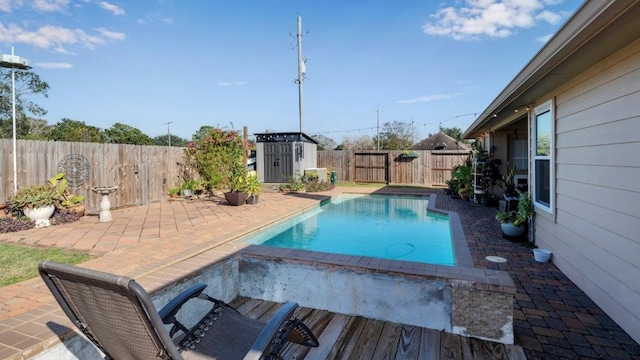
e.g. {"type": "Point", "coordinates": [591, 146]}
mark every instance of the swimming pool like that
{"type": "Point", "coordinates": [379, 226]}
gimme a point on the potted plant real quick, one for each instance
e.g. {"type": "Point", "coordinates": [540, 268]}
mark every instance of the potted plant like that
{"type": "Point", "coordinates": [253, 188]}
{"type": "Point", "coordinates": [188, 187]}
{"type": "Point", "coordinates": [173, 192]}
{"type": "Point", "coordinates": [463, 176]}
{"type": "Point", "coordinates": [507, 183]}
{"type": "Point", "coordinates": [237, 180]}
{"type": "Point", "coordinates": [37, 202]}
{"type": "Point", "coordinates": [71, 202]}
{"type": "Point", "coordinates": [513, 223]}
{"type": "Point", "coordinates": [218, 157]}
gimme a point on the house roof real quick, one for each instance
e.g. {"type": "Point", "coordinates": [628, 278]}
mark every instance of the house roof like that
{"type": "Point", "coordinates": [439, 141]}
{"type": "Point", "coordinates": [596, 30]}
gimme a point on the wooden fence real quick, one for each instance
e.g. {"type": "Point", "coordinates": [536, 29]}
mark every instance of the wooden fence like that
{"type": "Point", "coordinates": [143, 173]}
{"type": "Point", "coordinates": [429, 168]}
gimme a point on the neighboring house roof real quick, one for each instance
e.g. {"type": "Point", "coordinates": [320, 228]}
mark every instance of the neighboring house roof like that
{"type": "Point", "coordinates": [439, 141]}
{"type": "Point", "coordinates": [596, 30]}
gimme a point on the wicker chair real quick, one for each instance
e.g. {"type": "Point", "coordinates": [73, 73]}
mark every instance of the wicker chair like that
{"type": "Point", "coordinates": [117, 315]}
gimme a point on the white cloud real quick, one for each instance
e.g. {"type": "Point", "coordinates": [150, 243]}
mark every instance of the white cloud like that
{"type": "Point", "coordinates": [111, 34]}
{"type": "Point", "coordinates": [493, 18]}
{"type": "Point", "coordinates": [8, 5]}
{"type": "Point", "coordinates": [424, 98]}
{"type": "Point", "coordinates": [226, 83]}
{"type": "Point", "coordinates": [544, 39]}
{"type": "Point", "coordinates": [55, 37]}
{"type": "Point", "coordinates": [114, 9]}
{"type": "Point", "coordinates": [549, 16]}
{"type": "Point", "coordinates": [154, 17]}
{"type": "Point", "coordinates": [50, 65]}
{"type": "Point", "coordinates": [50, 5]}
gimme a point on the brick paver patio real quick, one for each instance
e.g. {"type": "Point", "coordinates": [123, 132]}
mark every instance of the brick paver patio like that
{"type": "Point", "coordinates": [553, 319]}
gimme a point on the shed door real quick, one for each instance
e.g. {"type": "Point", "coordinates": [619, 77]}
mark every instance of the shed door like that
{"type": "Point", "coordinates": [278, 162]}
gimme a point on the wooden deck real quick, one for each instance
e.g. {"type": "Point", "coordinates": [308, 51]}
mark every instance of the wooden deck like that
{"type": "Point", "coordinates": [354, 337]}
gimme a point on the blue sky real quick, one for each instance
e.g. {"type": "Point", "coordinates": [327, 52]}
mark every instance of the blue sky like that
{"type": "Point", "coordinates": [149, 62]}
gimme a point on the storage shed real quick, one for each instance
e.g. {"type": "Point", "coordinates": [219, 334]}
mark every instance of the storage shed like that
{"type": "Point", "coordinates": [281, 155]}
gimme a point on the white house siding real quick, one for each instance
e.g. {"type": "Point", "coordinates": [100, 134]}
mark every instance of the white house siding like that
{"type": "Point", "coordinates": [595, 231]}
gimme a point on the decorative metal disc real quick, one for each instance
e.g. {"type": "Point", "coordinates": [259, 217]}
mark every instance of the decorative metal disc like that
{"type": "Point", "coordinates": [75, 168]}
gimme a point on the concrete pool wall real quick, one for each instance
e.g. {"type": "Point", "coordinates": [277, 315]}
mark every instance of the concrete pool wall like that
{"type": "Point", "coordinates": [458, 299]}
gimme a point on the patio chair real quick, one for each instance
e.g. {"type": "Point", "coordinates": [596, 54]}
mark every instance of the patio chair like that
{"type": "Point", "coordinates": [117, 315]}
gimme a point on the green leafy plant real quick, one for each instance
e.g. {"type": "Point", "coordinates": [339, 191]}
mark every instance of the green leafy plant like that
{"type": "Point", "coordinates": [253, 186]}
{"type": "Point", "coordinates": [525, 211]}
{"type": "Point", "coordinates": [316, 185]}
{"type": "Point", "coordinates": [34, 196]}
{"type": "Point", "coordinates": [60, 184]}
{"type": "Point", "coordinates": [189, 185]}
{"type": "Point", "coordinates": [174, 191]}
{"type": "Point", "coordinates": [507, 183]}
{"type": "Point", "coordinates": [218, 158]}
{"type": "Point", "coordinates": [294, 184]}
{"type": "Point", "coordinates": [463, 176]}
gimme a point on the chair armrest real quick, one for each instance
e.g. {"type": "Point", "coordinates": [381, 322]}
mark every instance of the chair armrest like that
{"type": "Point", "coordinates": [168, 312]}
{"type": "Point", "coordinates": [270, 330]}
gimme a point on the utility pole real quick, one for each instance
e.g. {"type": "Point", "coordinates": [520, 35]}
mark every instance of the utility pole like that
{"type": "Point", "coordinates": [378, 125]}
{"type": "Point", "coordinates": [301, 71]}
{"type": "Point", "coordinates": [169, 130]}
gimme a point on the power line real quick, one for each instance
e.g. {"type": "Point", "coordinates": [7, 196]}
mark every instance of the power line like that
{"type": "Point", "coordinates": [415, 123]}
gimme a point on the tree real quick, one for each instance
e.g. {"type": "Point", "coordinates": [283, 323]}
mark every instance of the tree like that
{"type": "Point", "coordinates": [120, 133]}
{"type": "Point", "coordinates": [27, 84]}
{"type": "Point", "coordinates": [75, 130]}
{"type": "Point", "coordinates": [36, 129]}
{"type": "Point", "coordinates": [396, 135]}
{"type": "Point", "coordinates": [362, 142]}
{"type": "Point", "coordinates": [325, 143]}
{"type": "Point", "coordinates": [454, 132]}
{"type": "Point", "coordinates": [202, 132]}
{"type": "Point", "coordinates": [163, 140]}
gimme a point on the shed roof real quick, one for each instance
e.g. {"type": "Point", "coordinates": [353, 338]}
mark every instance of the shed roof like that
{"type": "Point", "coordinates": [439, 141]}
{"type": "Point", "coordinates": [284, 137]}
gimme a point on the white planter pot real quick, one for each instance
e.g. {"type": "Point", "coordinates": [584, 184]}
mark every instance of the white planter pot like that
{"type": "Point", "coordinates": [541, 255]}
{"type": "Point", "coordinates": [40, 215]}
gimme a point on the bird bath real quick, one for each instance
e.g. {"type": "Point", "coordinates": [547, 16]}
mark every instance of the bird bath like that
{"type": "Point", "coordinates": [105, 205]}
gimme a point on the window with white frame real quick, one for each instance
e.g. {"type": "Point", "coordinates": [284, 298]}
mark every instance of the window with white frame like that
{"type": "Point", "coordinates": [543, 145]}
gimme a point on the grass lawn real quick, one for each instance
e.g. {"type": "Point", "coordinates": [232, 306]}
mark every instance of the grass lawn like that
{"type": "Point", "coordinates": [18, 263]}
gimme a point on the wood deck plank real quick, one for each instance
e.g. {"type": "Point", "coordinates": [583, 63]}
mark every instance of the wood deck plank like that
{"type": "Point", "coordinates": [365, 345]}
{"type": "Point", "coordinates": [357, 338]}
{"type": "Point", "coordinates": [388, 342]}
{"type": "Point", "coordinates": [409, 344]}
{"type": "Point", "coordinates": [330, 335]}
{"type": "Point", "coordinates": [429, 344]}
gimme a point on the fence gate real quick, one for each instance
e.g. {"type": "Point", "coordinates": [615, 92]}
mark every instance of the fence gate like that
{"type": "Point", "coordinates": [372, 167]}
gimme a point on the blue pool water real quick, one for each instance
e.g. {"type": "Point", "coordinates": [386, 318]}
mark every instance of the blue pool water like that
{"type": "Point", "coordinates": [389, 227]}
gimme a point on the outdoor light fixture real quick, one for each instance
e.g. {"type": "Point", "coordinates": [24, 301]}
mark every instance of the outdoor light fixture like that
{"type": "Point", "coordinates": [14, 62]}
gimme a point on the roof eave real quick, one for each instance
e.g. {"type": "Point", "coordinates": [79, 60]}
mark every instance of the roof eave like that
{"type": "Point", "coordinates": [588, 20]}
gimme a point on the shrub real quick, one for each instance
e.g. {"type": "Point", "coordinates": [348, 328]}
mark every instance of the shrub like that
{"type": "Point", "coordinates": [218, 158]}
